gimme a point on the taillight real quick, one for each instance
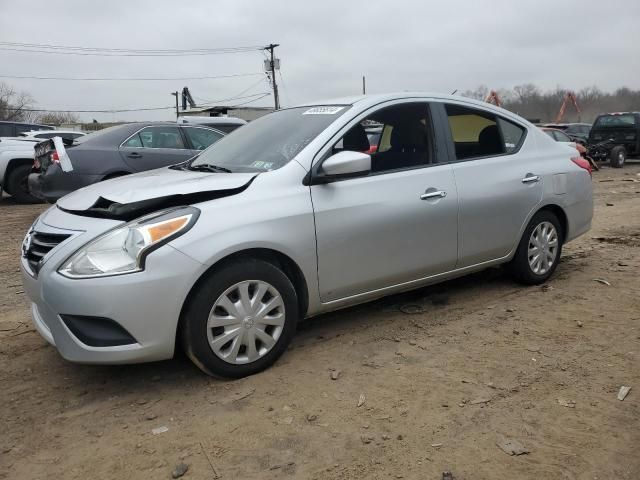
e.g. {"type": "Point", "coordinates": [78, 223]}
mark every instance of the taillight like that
{"type": "Point", "coordinates": [582, 163]}
{"type": "Point", "coordinates": [54, 157]}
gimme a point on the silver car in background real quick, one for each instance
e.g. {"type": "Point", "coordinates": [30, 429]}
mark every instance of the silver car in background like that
{"type": "Point", "coordinates": [288, 218]}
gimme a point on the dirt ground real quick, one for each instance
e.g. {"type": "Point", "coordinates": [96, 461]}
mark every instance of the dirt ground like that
{"type": "Point", "coordinates": [442, 374]}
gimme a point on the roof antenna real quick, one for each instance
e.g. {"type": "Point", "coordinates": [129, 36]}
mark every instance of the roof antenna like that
{"type": "Point", "coordinates": [454, 92]}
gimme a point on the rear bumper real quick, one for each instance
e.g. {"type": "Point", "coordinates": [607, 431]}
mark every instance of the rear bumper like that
{"type": "Point", "coordinates": [54, 183]}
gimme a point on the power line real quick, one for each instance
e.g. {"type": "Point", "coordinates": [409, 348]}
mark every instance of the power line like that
{"type": "Point", "coordinates": [136, 50]}
{"type": "Point", "coordinates": [119, 52]}
{"type": "Point", "coordinates": [143, 109]}
{"type": "Point", "coordinates": [235, 96]}
{"type": "Point", "coordinates": [131, 79]}
{"type": "Point", "coordinates": [88, 111]}
{"type": "Point", "coordinates": [213, 102]}
{"type": "Point", "coordinates": [266, 94]}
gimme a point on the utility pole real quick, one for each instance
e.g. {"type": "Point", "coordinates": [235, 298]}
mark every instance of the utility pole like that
{"type": "Point", "coordinates": [273, 64]}
{"type": "Point", "coordinates": [364, 86]}
{"type": "Point", "coordinates": [175, 94]}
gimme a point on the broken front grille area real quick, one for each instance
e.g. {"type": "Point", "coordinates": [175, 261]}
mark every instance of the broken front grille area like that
{"type": "Point", "coordinates": [38, 245]}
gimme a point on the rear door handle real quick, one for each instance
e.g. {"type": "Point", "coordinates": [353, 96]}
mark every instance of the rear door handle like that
{"type": "Point", "coordinates": [134, 155]}
{"type": "Point", "coordinates": [430, 195]}
{"type": "Point", "coordinates": [531, 178]}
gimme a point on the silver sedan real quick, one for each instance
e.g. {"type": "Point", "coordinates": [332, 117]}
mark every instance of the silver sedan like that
{"type": "Point", "coordinates": [294, 215]}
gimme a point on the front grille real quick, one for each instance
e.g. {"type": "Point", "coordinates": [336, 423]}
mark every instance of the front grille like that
{"type": "Point", "coordinates": [38, 245]}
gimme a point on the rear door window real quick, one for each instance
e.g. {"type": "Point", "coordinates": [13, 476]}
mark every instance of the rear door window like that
{"type": "Point", "coordinates": [475, 133]}
{"type": "Point", "coordinates": [561, 136]}
{"type": "Point", "coordinates": [157, 137]}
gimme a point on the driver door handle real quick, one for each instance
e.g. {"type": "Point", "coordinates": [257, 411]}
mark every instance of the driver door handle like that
{"type": "Point", "coordinates": [436, 194]}
{"type": "Point", "coordinates": [531, 178]}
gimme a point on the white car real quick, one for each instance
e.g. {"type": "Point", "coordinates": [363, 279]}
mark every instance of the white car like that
{"type": "Point", "coordinates": [46, 134]}
{"type": "Point", "coordinates": [16, 160]}
{"type": "Point", "coordinates": [224, 124]}
{"type": "Point", "coordinates": [288, 218]}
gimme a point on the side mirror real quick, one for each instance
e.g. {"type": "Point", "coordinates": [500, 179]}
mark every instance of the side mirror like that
{"type": "Point", "coordinates": [346, 164]}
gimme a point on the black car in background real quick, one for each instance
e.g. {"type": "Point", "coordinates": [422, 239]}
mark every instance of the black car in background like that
{"type": "Point", "coordinates": [113, 152]}
{"type": "Point", "coordinates": [13, 129]}
{"type": "Point", "coordinates": [578, 132]}
{"type": "Point", "coordinates": [618, 137]}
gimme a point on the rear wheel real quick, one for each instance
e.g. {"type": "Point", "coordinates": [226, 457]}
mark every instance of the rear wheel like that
{"type": "Point", "coordinates": [617, 156]}
{"type": "Point", "coordinates": [18, 187]}
{"type": "Point", "coordinates": [538, 253]}
{"type": "Point", "coordinates": [240, 319]}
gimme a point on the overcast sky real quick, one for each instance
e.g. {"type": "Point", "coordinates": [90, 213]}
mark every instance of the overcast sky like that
{"type": "Point", "coordinates": [326, 47]}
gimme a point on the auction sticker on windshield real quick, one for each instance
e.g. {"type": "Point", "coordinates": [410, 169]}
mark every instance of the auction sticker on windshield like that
{"type": "Point", "coordinates": [323, 111]}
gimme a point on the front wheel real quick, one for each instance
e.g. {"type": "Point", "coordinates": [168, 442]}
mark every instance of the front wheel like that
{"type": "Point", "coordinates": [538, 253]}
{"type": "Point", "coordinates": [618, 156]}
{"type": "Point", "coordinates": [240, 319]}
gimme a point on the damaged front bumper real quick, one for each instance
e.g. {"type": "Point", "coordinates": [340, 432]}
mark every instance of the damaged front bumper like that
{"type": "Point", "coordinates": [108, 320]}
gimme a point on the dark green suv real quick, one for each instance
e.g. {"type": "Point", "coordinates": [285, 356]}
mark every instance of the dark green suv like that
{"type": "Point", "coordinates": [618, 136]}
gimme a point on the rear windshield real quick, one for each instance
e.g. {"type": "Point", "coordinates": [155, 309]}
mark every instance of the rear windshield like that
{"type": "Point", "coordinates": [97, 134]}
{"type": "Point", "coordinates": [608, 121]}
{"type": "Point", "coordinates": [270, 142]}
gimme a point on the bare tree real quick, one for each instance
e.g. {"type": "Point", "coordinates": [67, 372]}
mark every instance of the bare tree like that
{"type": "Point", "coordinates": [57, 118]}
{"type": "Point", "coordinates": [14, 105]}
{"type": "Point", "coordinates": [530, 102]}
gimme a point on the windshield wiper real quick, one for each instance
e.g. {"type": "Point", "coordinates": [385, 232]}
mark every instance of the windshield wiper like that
{"type": "Point", "coordinates": [207, 167]}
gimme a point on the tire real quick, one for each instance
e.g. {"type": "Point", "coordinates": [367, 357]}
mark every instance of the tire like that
{"type": "Point", "coordinates": [18, 187]}
{"type": "Point", "coordinates": [523, 266]}
{"type": "Point", "coordinates": [215, 297]}
{"type": "Point", "coordinates": [617, 156]}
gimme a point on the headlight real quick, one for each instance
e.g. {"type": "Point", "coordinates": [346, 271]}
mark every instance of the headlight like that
{"type": "Point", "coordinates": [124, 249]}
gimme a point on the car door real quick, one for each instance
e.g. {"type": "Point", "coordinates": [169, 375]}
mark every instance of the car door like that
{"type": "Point", "coordinates": [498, 185]}
{"type": "Point", "coordinates": [394, 225]}
{"type": "Point", "coordinates": [200, 138]}
{"type": "Point", "coordinates": [154, 147]}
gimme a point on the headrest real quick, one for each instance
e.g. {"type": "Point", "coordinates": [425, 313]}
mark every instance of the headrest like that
{"type": "Point", "coordinates": [356, 139]}
{"type": "Point", "coordinates": [410, 135]}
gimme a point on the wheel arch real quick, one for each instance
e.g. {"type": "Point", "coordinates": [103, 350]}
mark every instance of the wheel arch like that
{"type": "Point", "coordinates": [559, 212]}
{"type": "Point", "coordinates": [115, 174]}
{"type": "Point", "coordinates": [279, 259]}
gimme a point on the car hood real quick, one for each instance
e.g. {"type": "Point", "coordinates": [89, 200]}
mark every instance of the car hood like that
{"type": "Point", "coordinates": [134, 195]}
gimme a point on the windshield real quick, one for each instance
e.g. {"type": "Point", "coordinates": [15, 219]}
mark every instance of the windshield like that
{"type": "Point", "coordinates": [269, 142]}
{"type": "Point", "coordinates": [622, 120]}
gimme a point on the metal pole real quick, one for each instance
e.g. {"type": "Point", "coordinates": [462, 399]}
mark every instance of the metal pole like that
{"type": "Point", "coordinates": [364, 86]}
{"type": "Point", "coordinates": [175, 94]}
{"type": "Point", "coordinates": [276, 97]}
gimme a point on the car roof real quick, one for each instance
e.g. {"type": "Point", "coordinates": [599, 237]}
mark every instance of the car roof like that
{"type": "Point", "coordinates": [619, 113]}
{"type": "Point", "coordinates": [40, 132]}
{"type": "Point", "coordinates": [365, 101]}
{"type": "Point", "coordinates": [193, 120]}
{"type": "Point", "coordinates": [14, 122]}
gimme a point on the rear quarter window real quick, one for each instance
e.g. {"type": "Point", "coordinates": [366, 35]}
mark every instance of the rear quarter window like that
{"type": "Point", "coordinates": [512, 134]}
